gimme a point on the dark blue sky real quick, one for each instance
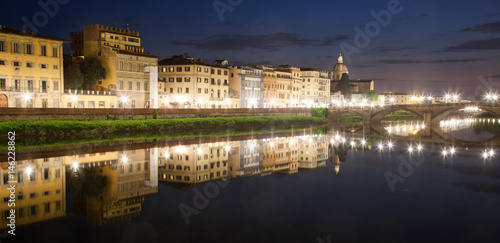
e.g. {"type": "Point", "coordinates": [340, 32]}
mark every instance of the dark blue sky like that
{"type": "Point", "coordinates": [437, 46]}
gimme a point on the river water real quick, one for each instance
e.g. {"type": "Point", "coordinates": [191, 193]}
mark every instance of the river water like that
{"type": "Point", "coordinates": [300, 186]}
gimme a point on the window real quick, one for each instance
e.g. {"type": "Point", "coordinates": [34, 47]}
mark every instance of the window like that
{"type": "Point", "coordinates": [187, 69]}
{"type": "Point", "coordinates": [56, 67]}
{"type": "Point", "coordinates": [43, 50]}
{"type": "Point", "coordinates": [187, 79]}
{"type": "Point", "coordinates": [54, 51]}
{"type": "Point", "coordinates": [91, 104]}
{"type": "Point", "coordinates": [46, 173]}
{"type": "Point", "coordinates": [121, 85]}
{"type": "Point", "coordinates": [219, 72]}
{"type": "Point", "coordinates": [212, 71]}
{"type": "Point", "coordinates": [20, 213]}
{"type": "Point", "coordinates": [16, 64]}
{"type": "Point", "coordinates": [179, 80]}
{"type": "Point", "coordinates": [179, 90]}
{"type": "Point", "coordinates": [198, 80]}
{"type": "Point", "coordinates": [29, 65]}
{"type": "Point", "coordinates": [2, 84]}
{"type": "Point", "coordinates": [171, 69]}
{"type": "Point", "coordinates": [16, 47]}
{"type": "Point", "coordinates": [120, 66]}
{"type": "Point", "coordinates": [129, 66]}
{"type": "Point", "coordinates": [206, 91]}
{"type": "Point", "coordinates": [138, 66]}
{"type": "Point", "coordinates": [47, 208]}
{"type": "Point", "coordinates": [56, 85]}
{"type": "Point", "coordinates": [199, 90]}
{"type": "Point", "coordinates": [2, 62]}
{"type": "Point", "coordinates": [29, 49]}
{"type": "Point", "coordinates": [138, 85]}
{"type": "Point", "coordinates": [58, 205]}
{"type": "Point", "coordinates": [33, 210]}
{"type": "Point", "coordinates": [2, 46]}
{"type": "Point", "coordinates": [225, 72]}
{"type": "Point", "coordinates": [179, 69]}
{"type": "Point", "coordinates": [171, 80]}
{"type": "Point", "coordinates": [133, 104]}
{"type": "Point", "coordinates": [58, 173]}
{"type": "Point", "coordinates": [198, 69]}
{"type": "Point", "coordinates": [129, 85]}
{"type": "Point", "coordinates": [206, 80]}
{"type": "Point", "coordinates": [187, 90]}
{"type": "Point", "coordinates": [146, 86]}
{"type": "Point", "coordinates": [171, 90]}
{"type": "Point", "coordinates": [101, 104]}
{"type": "Point", "coordinates": [43, 66]}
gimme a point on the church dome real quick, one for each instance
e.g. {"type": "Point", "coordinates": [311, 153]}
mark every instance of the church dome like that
{"type": "Point", "coordinates": [340, 66]}
{"type": "Point", "coordinates": [339, 69]}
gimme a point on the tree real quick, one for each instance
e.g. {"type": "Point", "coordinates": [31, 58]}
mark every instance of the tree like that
{"type": "Point", "coordinates": [73, 77]}
{"type": "Point", "coordinates": [344, 86]}
{"type": "Point", "coordinates": [371, 95]}
{"type": "Point", "coordinates": [92, 71]}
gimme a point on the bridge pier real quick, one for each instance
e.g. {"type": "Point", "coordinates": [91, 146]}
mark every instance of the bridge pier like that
{"type": "Point", "coordinates": [428, 123]}
{"type": "Point", "coordinates": [367, 122]}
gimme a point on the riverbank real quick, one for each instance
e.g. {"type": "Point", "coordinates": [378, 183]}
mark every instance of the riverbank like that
{"type": "Point", "coordinates": [61, 130]}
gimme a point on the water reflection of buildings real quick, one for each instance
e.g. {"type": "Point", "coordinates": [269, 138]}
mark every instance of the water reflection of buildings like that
{"type": "Point", "coordinates": [41, 187]}
{"type": "Point", "coordinates": [313, 152]}
{"type": "Point", "coordinates": [131, 176]}
{"type": "Point", "coordinates": [197, 163]}
{"type": "Point", "coordinates": [40, 191]}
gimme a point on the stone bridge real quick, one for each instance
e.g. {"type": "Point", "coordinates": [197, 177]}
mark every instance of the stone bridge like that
{"type": "Point", "coordinates": [372, 127]}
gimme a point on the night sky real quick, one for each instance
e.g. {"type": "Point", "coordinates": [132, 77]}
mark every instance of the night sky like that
{"type": "Point", "coordinates": [434, 46]}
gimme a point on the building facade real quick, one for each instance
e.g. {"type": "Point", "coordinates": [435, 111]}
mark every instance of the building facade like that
{"type": "Point", "coordinates": [192, 83]}
{"type": "Point", "coordinates": [315, 90]}
{"type": "Point", "coordinates": [31, 70]}
{"type": "Point", "coordinates": [122, 56]}
{"type": "Point", "coordinates": [248, 84]}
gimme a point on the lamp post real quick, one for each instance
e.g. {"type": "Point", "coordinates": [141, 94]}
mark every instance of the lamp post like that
{"type": "Point", "coordinates": [124, 100]}
{"type": "Point", "coordinates": [74, 99]}
{"type": "Point", "coordinates": [27, 98]}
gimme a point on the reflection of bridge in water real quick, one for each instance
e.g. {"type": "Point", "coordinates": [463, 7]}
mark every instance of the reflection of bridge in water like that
{"type": "Point", "coordinates": [431, 115]}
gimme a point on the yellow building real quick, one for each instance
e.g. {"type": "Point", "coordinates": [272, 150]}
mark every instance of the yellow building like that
{"type": "Point", "coordinates": [315, 90]}
{"type": "Point", "coordinates": [190, 83]}
{"type": "Point", "coordinates": [40, 191]}
{"type": "Point", "coordinates": [122, 56]}
{"type": "Point", "coordinates": [31, 70]}
{"type": "Point", "coordinates": [89, 99]}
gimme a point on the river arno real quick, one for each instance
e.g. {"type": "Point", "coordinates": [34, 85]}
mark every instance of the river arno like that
{"type": "Point", "coordinates": [296, 187]}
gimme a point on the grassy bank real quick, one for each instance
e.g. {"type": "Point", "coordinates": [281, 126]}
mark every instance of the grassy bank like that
{"type": "Point", "coordinates": [107, 129]}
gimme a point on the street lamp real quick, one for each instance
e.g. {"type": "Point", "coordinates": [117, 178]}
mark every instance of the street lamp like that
{"type": "Point", "coordinates": [27, 98]}
{"type": "Point", "coordinates": [124, 100]}
{"type": "Point", "coordinates": [74, 99]}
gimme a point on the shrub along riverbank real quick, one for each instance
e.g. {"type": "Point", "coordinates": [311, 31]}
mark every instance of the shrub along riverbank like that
{"type": "Point", "coordinates": [107, 129]}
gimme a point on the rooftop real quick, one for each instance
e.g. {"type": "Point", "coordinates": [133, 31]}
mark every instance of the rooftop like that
{"type": "Point", "coordinates": [13, 31]}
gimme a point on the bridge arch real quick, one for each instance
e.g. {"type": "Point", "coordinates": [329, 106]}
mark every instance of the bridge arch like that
{"type": "Point", "coordinates": [441, 115]}
{"type": "Point", "coordinates": [380, 115]}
